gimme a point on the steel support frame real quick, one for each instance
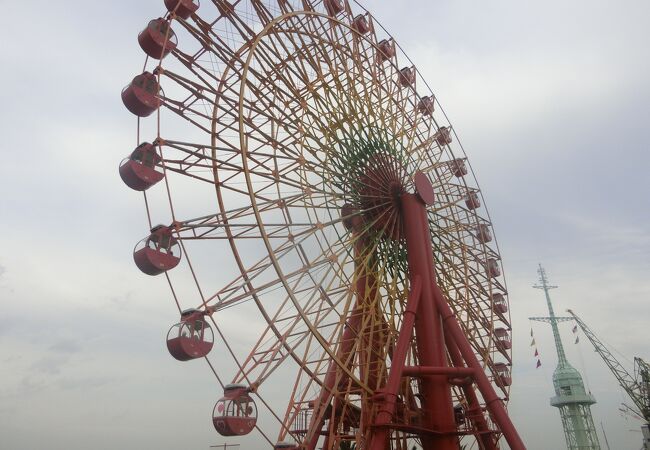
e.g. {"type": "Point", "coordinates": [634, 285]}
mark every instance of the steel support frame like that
{"type": "Point", "coordinates": [438, 334]}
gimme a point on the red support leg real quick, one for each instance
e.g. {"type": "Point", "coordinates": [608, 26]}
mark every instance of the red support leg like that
{"type": "Point", "coordinates": [492, 401]}
{"type": "Point", "coordinates": [436, 391]}
{"type": "Point", "coordinates": [387, 397]}
{"type": "Point", "coordinates": [438, 337]}
{"type": "Point", "coordinates": [486, 438]}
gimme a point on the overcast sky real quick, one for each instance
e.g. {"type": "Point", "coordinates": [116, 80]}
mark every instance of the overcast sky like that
{"type": "Point", "coordinates": [550, 99]}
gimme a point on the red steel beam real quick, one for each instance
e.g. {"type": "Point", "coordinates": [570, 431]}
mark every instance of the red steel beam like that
{"type": "Point", "coordinates": [387, 397]}
{"type": "Point", "coordinates": [437, 403]}
{"type": "Point", "coordinates": [492, 401]}
{"type": "Point", "coordinates": [486, 437]}
{"type": "Point", "coordinates": [420, 371]}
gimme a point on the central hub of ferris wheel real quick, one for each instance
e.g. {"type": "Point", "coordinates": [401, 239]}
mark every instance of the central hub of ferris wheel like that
{"type": "Point", "coordinates": [376, 194]}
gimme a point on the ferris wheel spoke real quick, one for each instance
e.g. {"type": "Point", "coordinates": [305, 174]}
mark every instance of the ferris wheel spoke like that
{"type": "Point", "coordinates": [229, 295]}
{"type": "Point", "coordinates": [273, 349]}
{"type": "Point", "coordinates": [267, 356]}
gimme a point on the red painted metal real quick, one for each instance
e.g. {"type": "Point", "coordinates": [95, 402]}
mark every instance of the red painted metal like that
{"type": "Point", "coordinates": [141, 96]}
{"type": "Point", "coordinates": [419, 371]}
{"type": "Point", "coordinates": [473, 411]}
{"type": "Point", "coordinates": [182, 8]}
{"type": "Point", "coordinates": [426, 105]}
{"type": "Point", "coordinates": [407, 76]}
{"type": "Point", "coordinates": [235, 414]}
{"type": "Point", "coordinates": [385, 50]}
{"type": "Point", "coordinates": [387, 397]}
{"type": "Point", "coordinates": [438, 334]}
{"type": "Point", "coordinates": [493, 403]}
{"type": "Point", "coordinates": [158, 252]}
{"type": "Point", "coordinates": [191, 338]}
{"type": "Point", "coordinates": [423, 188]}
{"type": "Point", "coordinates": [157, 39]}
{"type": "Point", "coordinates": [138, 171]}
{"type": "Point", "coordinates": [435, 390]}
{"type": "Point", "coordinates": [360, 24]}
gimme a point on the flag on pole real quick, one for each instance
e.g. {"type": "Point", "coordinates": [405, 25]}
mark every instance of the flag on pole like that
{"type": "Point", "coordinates": [577, 339]}
{"type": "Point", "coordinates": [536, 352]}
{"type": "Point", "coordinates": [531, 332]}
{"type": "Point", "coordinates": [533, 342]}
{"type": "Point", "coordinates": [539, 364]}
{"type": "Point", "coordinates": [575, 328]}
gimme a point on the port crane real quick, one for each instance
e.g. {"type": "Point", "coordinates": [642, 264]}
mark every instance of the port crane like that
{"type": "Point", "coordinates": [636, 384]}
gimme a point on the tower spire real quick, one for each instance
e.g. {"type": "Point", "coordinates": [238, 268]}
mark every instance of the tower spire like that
{"type": "Point", "coordinates": [543, 284]}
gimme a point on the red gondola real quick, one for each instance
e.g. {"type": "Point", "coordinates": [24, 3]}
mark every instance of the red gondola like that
{"type": "Point", "coordinates": [493, 268]}
{"type": "Point", "coordinates": [499, 304]}
{"type": "Point", "coordinates": [360, 24]}
{"type": "Point", "coordinates": [503, 338]}
{"type": "Point", "coordinates": [426, 105]}
{"type": "Point", "coordinates": [157, 253]}
{"type": "Point", "coordinates": [182, 8]}
{"type": "Point", "coordinates": [386, 50]}
{"type": "Point", "coordinates": [333, 7]}
{"type": "Point", "coordinates": [483, 233]}
{"type": "Point", "coordinates": [157, 39]}
{"type": "Point", "coordinates": [138, 171]}
{"type": "Point", "coordinates": [443, 136]}
{"type": "Point", "coordinates": [407, 76]}
{"type": "Point", "coordinates": [235, 414]}
{"type": "Point", "coordinates": [191, 338]}
{"type": "Point", "coordinates": [141, 96]}
{"type": "Point", "coordinates": [503, 377]}
{"type": "Point", "coordinates": [472, 201]}
{"type": "Point", "coordinates": [458, 168]}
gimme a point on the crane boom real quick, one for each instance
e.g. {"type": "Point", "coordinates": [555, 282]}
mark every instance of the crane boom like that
{"type": "Point", "coordinates": [635, 386]}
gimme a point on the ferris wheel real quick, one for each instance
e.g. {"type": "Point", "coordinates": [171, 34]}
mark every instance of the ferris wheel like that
{"type": "Point", "coordinates": [323, 236]}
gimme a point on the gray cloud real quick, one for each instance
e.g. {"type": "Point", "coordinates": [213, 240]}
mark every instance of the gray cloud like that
{"type": "Point", "coordinates": [90, 382]}
{"type": "Point", "coordinates": [66, 346]}
{"type": "Point", "coordinates": [49, 365]}
{"type": "Point", "coordinates": [26, 386]}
